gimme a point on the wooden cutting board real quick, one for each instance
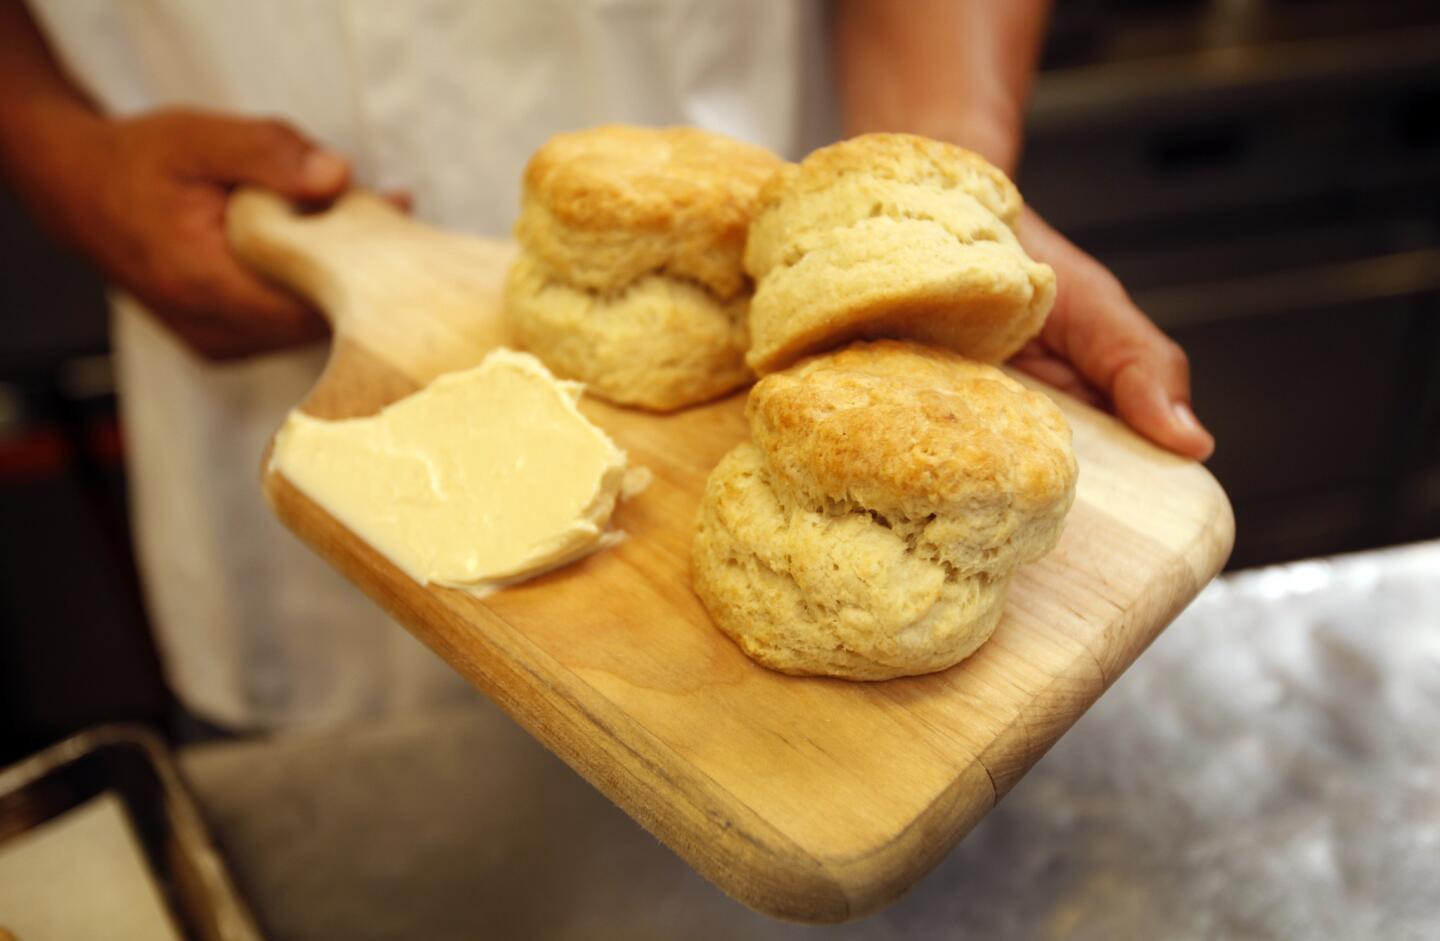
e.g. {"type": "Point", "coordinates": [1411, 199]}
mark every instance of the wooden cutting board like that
{"type": "Point", "coordinates": [809, 799]}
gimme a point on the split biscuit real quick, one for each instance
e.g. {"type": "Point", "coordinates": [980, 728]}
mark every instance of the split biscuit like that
{"type": "Point", "coordinates": [891, 235]}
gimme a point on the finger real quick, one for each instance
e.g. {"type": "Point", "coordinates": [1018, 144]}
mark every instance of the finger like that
{"type": "Point", "coordinates": [256, 308]}
{"type": "Point", "coordinates": [1146, 375]}
{"type": "Point", "coordinates": [1053, 371]}
{"type": "Point", "coordinates": [264, 153]}
{"type": "Point", "coordinates": [1147, 397]}
{"type": "Point", "coordinates": [258, 313]}
{"type": "Point", "coordinates": [248, 319]}
{"type": "Point", "coordinates": [228, 307]}
{"type": "Point", "coordinates": [218, 330]}
{"type": "Point", "coordinates": [201, 337]}
{"type": "Point", "coordinates": [1096, 327]}
{"type": "Point", "coordinates": [402, 200]}
{"type": "Point", "coordinates": [244, 317]}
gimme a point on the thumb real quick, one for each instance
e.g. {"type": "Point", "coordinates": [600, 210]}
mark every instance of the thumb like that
{"type": "Point", "coordinates": [1097, 328]}
{"type": "Point", "coordinates": [1146, 374]}
{"type": "Point", "coordinates": [266, 153]}
{"type": "Point", "coordinates": [1152, 396]}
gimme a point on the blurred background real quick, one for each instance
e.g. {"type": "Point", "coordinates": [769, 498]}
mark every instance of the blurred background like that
{"type": "Point", "coordinates": [1263, 174]}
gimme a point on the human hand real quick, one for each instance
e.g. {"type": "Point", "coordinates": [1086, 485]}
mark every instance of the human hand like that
{"type": "Point", "coordinates": [145, 202]}
{"type": "Point", "coordinates": [1098, 346]}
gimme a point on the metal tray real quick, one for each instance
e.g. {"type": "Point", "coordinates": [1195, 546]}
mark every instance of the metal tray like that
{"type": "Point", "coordinates": [135, 765]}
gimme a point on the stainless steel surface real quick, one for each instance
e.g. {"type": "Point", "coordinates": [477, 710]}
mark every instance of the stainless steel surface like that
{"type": "Point", "coordinates": [1269, 769]}
{"type": "Point", "coordinates": [134, 764]}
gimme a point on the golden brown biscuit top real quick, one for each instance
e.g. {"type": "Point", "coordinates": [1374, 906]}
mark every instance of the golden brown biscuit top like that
{"type": "Point", "coordinates": [904, 158]}
{"type": "Point", "coordinates": [647, 179]}
{"type": "Point", "coordinates": [901, 428]}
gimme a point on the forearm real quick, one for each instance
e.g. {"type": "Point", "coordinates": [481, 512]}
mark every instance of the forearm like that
{"type": "Point", "coordinates": [956, 70]}
{"type": "Point", "coordinates": [48, 129]}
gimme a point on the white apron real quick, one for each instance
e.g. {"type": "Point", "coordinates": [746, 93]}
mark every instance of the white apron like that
{"type": "Point", "coordinates": [446, 99]}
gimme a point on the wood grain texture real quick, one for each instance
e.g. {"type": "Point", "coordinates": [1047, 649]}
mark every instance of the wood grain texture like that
{"type": "Point", "coordinates": [810, 799]}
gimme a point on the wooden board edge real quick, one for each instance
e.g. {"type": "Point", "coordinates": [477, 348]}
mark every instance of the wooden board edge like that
{"type": "Point", "coordinates": [881, 875]}
{"type": "Point", "coordinates": [1194, 567]}
{"type": "Point", "coordinates": [1209, 552]}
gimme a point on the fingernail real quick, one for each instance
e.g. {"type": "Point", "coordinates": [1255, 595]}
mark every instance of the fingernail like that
{"type": "Point", "coordinates": [323, 169]}
{"type": "Point", "coordinates": [1186, 418]}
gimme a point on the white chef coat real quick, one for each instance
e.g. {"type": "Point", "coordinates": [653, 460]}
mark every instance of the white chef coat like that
{"type": "Point", "coordinates": [445, 99]}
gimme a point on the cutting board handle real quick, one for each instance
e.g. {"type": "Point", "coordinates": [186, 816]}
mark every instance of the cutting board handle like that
{"type": "Point", "coordinates": [419, 299]}
{"type": "Point", "coordinates": [310, 253]}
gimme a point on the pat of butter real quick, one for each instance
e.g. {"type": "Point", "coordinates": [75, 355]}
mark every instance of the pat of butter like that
{"type": "Point", "coordinates": [484, 477]}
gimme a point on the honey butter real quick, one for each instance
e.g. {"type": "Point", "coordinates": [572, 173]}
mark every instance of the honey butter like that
{"type": "Point", "coordinates": [482, 478]}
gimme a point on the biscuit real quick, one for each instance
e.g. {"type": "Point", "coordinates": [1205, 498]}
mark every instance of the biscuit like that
{"type": "Point", "coordinates": [810, 592]}
{"type": "Point", "coordinates": [872, 527]}
{"type": "Point", "coordinates": [630, 275]}
{"type": "Point", "coordinates": [605, 206]}
{"type": "Point", "coordinates": [977, 467]}
{"type": "Point", "coordinates": [891, 235]}
{"type": "Point", "coordinates": [661, 343]}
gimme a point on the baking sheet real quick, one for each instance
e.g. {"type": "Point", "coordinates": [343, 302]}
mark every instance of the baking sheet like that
{"type": "Point", "coordinates": [82, 875]}
{"type": "Point", "coordinates": [100, 840]}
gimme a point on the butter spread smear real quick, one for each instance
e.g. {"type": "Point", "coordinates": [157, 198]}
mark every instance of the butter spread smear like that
{"type": "Point", "coordinates": [484, 477]}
